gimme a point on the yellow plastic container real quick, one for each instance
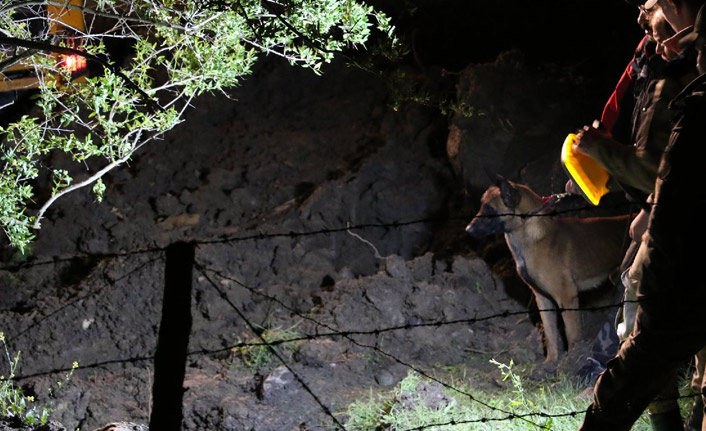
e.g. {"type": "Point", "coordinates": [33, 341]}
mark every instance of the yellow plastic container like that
{"type": "Point", "coordinates": [589, 175]}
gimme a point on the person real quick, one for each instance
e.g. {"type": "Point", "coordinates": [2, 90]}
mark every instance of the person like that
{"type": "Point", "coordinates": [630, 147]}
{"type": "Point", "coordinates": [634, 168]}
{"type": "Point", "coordinates": [629, 141]}
{"type": "Point", "coordinates": [684, 22]}
{"type": "Point", "coordinates": [668, 327]}
{"type": "Point", "coordinates": [657, 74]}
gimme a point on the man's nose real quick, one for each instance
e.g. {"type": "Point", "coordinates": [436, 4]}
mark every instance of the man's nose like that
{"type": "Point", "coordinates": [642, 18]}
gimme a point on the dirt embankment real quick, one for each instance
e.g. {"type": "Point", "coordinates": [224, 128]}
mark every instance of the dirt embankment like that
{"type": "Point", "coordinates": [266, 183]}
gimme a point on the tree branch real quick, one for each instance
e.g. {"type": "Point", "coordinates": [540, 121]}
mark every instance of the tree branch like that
{"type": "Point", "coordinates": [294, 30]}
{"type": "Point", "coordinates": [8, 62]}
{"type": "Point", "coordinates": [84, 183]}
{"type": "Point", "coordinates": [94, 12]}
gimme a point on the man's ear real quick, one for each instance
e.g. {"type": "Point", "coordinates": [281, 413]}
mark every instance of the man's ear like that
{"type": "Point", "coordinates": [509, 195]}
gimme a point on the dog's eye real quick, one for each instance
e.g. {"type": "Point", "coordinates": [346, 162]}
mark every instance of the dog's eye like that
{"type": "Point", "coordinates": [488, 211]}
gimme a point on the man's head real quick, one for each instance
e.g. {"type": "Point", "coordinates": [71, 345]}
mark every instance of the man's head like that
{"type": "Point", "coordinates": [679, 13]}
{"type": "Point", "coordinates": [662, 31]}
{"type": "Point", "coordinates": [645, 14]}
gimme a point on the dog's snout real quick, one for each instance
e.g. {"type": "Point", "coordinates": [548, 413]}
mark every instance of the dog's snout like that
{"type": "Point", "coordinates": [474, 231]}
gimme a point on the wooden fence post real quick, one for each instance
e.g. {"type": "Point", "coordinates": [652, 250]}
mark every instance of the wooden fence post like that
{"type": "Point", "coordinates": [173, 339]}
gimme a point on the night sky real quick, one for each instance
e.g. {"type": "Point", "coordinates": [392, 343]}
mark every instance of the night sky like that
{"type": "Point", "coordinates": [594, 37]}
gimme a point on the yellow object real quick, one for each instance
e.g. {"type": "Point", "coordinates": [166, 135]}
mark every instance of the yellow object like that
{"type": "Point", "coordinates": [66, 13]}
{"type": "Point", "coordinates": [589, 175]}
{"type": "Point", "coordinates": [65, 17]}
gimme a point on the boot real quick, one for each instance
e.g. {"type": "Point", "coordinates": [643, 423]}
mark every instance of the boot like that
{"type": "Point", "coordinates": [693, 421]}
{"type": "Point", "coordinates": [667, 421]}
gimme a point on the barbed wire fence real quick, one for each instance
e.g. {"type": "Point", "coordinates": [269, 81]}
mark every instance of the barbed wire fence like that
{"type": "Point", "coordinates": [259, 236]}
{"type": "Point", "coordinates": [323, 331]}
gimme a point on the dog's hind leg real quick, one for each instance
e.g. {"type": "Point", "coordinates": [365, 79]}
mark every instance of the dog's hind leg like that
{"type": "Point", "coordinates": [550, 325]}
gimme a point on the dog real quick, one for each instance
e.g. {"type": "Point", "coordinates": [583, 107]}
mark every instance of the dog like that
{"type": "Point", "coordinates": [557, 257]}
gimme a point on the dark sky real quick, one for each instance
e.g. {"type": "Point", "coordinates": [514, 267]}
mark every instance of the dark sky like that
{"type": "Point", "coordinates": [596, 37]}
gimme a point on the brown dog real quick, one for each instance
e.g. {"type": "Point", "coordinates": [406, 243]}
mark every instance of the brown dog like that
{"type": "Point", "coordinates": [557, 257]}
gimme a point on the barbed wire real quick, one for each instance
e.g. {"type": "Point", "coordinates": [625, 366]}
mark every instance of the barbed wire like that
{"type": "Point", "coordinates": [320, 335]}
{"type": "Point", "coordinates": [63, 259]}
{"type": "Point", "coordinates": [349, 336]}
{"type": "Point", "coordinates": [272, 350]}
{"type": "Point", "coordinates": [306, 337]}
{"type": "Point", "coordinates": [379, 331]}
{"type": "Point", "coordinates": [293, 234]}
{"type": "Point", "coordinates": [99, 364]}
{"type": "Point", "coordinates": [78, 299]}
{"type": "Point", "coordinates": [486, 420]}
{"type": "Point", "coordinates": [515, 416]}
{"type": "Point", "coordinates": [470, 396]}
{"type": "Point", "coordinates": [332, 332]}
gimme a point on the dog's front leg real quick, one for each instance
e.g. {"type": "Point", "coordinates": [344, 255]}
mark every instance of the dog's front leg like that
{"type": "Point", "coordinates": [552, 336]}
{"type": "Point", "coordinates": [572, 319]}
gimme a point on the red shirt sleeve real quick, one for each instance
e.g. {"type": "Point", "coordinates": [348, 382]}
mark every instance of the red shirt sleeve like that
{"type": "Point", "coordinates": [611, 111]}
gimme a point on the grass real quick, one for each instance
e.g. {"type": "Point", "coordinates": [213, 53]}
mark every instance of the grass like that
{"type": "Point", "coordinates": [514, 407]}
{"type": "Point", "coordinates": [259, 357]}
{"type": "Point", "coordinates": [13, 402]}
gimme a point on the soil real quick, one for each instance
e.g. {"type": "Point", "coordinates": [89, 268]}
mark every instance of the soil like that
{"type": "Point", "coordinates": [266, 180]}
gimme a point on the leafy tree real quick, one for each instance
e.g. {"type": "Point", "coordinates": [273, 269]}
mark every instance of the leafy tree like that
{"type": "Point", "coordinates": [171, 52]}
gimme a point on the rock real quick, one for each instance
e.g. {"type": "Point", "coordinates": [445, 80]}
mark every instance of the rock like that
{"type": "Point", "coordinates": [429, 394]}
{"type": "Point", "coordinates": [385, 378]}
{"type": "Point", "coordinates": [279, 381]}
{"type": "Point", "coordinates": [180, 221]}
{"type": "Point", "coordinates": [396, 267]}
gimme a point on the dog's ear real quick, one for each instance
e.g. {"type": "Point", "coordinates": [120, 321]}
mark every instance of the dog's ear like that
{"type": "Point", "coordinates": [511, 197]}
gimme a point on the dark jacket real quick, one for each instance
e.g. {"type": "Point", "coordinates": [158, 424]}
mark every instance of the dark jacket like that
{"type": "Point", "coordinates": [633, 167]}
{"type": "Point", "coordinates": [675, 230]}
{"type": "Point", "coordinates": [669, 327]}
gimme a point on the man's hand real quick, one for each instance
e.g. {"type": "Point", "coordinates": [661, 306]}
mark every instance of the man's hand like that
{"type": "Point", "coordinates": [589, 140]}
{"type": "Point", "coordinates": [638, 226]}
{"type": "Point", "coordinates": [571, 187]}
